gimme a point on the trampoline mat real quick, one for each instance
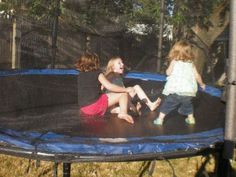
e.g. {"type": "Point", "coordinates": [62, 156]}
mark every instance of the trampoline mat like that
{"type": "Point", "coordinates": [66, 119]}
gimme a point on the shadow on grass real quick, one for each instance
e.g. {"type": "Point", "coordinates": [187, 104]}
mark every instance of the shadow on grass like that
{"type": "Point", "coordinates": [222, 167]}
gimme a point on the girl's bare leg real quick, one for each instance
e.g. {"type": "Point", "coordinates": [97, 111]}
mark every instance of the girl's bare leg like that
{"type": "Point", "coordinates": [159, 120]}
{"type": "Point", "coordinates": [122, 99]}
{"type": "Point", "coordinates": [162, 115]}
{"type": "Point", "coordinates": [136, 109]}
{"type": "Point", "coordinates": [190, 119]}
{"type": "Point", "coordinates": [142, 96]}
{"type": "Point", "coordinates": [123, 103]}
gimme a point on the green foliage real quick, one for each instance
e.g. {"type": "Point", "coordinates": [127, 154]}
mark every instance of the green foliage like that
{"type": "Point", "coordinates": [125, 12]}
{"type": "Point", "coordinates": [39, 9]}
{"type": "Point", "coordinates": [92, 13]}
{"type": "Point", "coordinates": [146, 11]}
{"type": "Point", "coordinates": [36, 9]}
{"type": "Point", "coordinates": [10, 7]}
{"type": "Point", "coordinates": [191, 12]}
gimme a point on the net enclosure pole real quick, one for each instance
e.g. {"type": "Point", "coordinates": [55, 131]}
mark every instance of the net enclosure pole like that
{"type": "Point", "coordinates": [159, 52]}
{"type": "Point", "coordinates": [54, 32]}
{"type": "Point", "coordinates": [230, 122]}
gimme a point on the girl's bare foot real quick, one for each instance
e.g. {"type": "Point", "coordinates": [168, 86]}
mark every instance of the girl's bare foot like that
{"type": "Point", "coordinates": [155, 104]}
{"type": "Point", "coordinates": [126, 117]}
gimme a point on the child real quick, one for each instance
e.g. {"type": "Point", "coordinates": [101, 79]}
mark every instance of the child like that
{"type": "Point", "coordinates": [181, 85]}
{"type": "Point", "coordinates": [90, 98]}
{"type": "Point", "coordinates": [114, 72]}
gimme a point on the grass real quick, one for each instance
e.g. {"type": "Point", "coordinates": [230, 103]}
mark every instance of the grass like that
{"type": "Point", "coordinates": [182, 167]}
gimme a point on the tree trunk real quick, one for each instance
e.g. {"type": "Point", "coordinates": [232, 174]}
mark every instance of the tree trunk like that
{"type": "Point", "coordinates": [16, 35]}
{"type": "Point", "coordinates": [204, 38]}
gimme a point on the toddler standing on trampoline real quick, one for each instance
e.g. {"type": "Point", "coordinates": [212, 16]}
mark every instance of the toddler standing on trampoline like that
{"type": "Point", "coordinates": [114, 73]}
{"type": "Point", "coordinates": [181, 85]}
{"type": "Point", "coordinates": [90, 98]}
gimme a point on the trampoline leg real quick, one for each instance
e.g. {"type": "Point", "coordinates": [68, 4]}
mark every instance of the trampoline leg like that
{"type": "Point", "coordinates": [55, 169]}
{"type": "Point", "coordinates": [66, 169]}
{"type": "Point", "coordinates": [224, 166]}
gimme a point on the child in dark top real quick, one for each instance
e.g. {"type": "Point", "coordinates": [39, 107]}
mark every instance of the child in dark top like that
{"type": "Point", "coordinates": [114, 73]}
{"type": "Point", "coordinates": [90, 98]}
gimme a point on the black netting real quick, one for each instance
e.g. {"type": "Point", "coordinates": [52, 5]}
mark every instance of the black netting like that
{"type": "Point", "coordinates": [53, 34]}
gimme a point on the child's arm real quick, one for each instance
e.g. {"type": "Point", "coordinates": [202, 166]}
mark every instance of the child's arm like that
{"type": "Point", "coordinates": [199, 78]}
{"type": "Point", "coordinates": [112, 87]}
{"type": "Point", "coordinates": [170, 68]}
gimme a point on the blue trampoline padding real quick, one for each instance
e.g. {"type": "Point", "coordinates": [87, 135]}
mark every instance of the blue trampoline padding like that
{"type": "Point", "coordinates": [39, 72]}
{"type": "Point", "coordinates": [54, 143]}
{"type": "Point", "coordinates": [134, 75]}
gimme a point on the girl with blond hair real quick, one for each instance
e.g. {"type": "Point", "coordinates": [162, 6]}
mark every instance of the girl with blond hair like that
{"type": "Point", "coordinates": [114, 72]}
{"type": "Point", "coordinates": [181, 85]}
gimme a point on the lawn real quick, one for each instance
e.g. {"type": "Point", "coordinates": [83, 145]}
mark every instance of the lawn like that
{"type": "Point", "coordinates": [182, 167]}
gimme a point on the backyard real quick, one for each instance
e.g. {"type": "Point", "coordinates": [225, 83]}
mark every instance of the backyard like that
{"type": "Point", "coordinates": [183, 167]}
{"type": "Point", "coordinates": [40, 42]}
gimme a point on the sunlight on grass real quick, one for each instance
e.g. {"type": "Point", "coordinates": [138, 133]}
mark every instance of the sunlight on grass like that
{"type": "Point", "coordinates": [183, 167]}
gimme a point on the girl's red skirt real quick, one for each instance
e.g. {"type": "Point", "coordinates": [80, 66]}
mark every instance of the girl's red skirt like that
{"type": "Point", "coordinates": [97, 108]}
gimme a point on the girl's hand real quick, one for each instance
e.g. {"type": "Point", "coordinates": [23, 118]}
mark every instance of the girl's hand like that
{"type": "Point", "coordinates": [102, 88]}
{"type": "Point", "coordinates": [129, 89]}
{"type": "Point", "coordinates": [203, 86]}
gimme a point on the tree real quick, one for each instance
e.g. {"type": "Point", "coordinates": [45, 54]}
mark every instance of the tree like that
{"type": "Point", "coordinates": [10, 10]}
{"type": "Point", "coordinates": [200, 21]}
{"type": "Point", "coordinates": [218, 21]}
{"type": "Point", "coordinates": [42, 11]}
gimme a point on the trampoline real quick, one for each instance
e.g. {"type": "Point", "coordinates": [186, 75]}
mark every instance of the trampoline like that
{"type": "Point", "coordinates": [40, 120]}
{"type": "Point", "coordinates": [39, 115]}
